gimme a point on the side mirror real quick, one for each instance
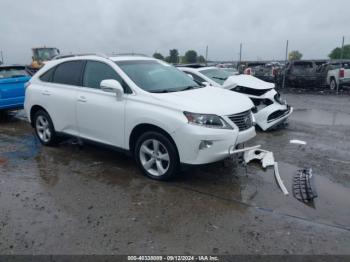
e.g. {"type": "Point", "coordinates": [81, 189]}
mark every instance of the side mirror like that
{"type": "Point", "coordinates": [112, 86]}
{"type": "Point", "coordinates": [190, 76]}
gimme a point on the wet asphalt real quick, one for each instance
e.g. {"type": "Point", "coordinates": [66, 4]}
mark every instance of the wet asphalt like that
{"type": "Point", "coordinates": [93, 200]}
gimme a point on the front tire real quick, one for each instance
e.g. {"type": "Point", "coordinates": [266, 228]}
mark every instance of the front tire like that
{"type": "Point", "coordinates": [44, 129]}
{"type": "Point", "coordinates": [157, 156]}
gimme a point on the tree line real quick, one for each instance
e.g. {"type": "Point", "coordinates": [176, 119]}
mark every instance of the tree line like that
{"type": "Point", "coordinates": [174, 57]}
{"type": "Point", "coordinates": [335, 54]}
{"type": "Point", "coordinates": [191, 56]}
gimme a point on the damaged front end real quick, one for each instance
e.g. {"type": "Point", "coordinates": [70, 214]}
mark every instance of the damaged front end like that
{"type": "Point", "coordinates": [270, 109]}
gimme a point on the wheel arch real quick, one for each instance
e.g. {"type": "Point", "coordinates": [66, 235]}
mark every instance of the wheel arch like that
{"type": "Point", "coordinates": [140, 129]}
{"type": "Point", "coordinates": [34, 109]}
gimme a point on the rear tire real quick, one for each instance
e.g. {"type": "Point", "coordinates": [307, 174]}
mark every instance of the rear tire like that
{"type": "Point", "coordinates": [44, 128]}
{"type": "Point", "coordinates": [333, 84]}
{"type": "Point", "coordinates": [156, 156]}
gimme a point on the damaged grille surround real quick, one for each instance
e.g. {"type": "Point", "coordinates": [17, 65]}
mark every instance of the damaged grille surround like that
{"type": "Point", "coordinates": [243, 120]}
{"type": "Point", "coordinates": [278, 114]}
{"type": "Point", "coordinates": [250, 91]}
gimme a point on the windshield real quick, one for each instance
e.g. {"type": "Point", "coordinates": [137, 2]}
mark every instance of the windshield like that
{"type": "Point", "coordinates": [216, 74]}
{"type": "Point", "coordinates": [157, 77]}
{"type": "Point", "coordinates": [305, 67]}
{"type": "Point", "coordinates": [45, 54]}
{"type": "Point", "coordinates": [10, 72]}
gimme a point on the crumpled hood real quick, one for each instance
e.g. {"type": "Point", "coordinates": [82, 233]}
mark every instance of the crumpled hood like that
{"type": "Point", "coordinates": [207, 100]}
{"type": "Point", "coordinates": [247, 81]}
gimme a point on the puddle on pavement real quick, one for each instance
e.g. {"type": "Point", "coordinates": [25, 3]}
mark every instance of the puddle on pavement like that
{"type": "Point", "coordinates": [257, 188]}
{"type": "Point", "coordinates": [321, 117]}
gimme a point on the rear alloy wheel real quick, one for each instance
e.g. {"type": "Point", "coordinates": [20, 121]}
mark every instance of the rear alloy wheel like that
{"type": "Point", "coordinates": [333, 84]}
{"type": "Point", "coordinates": [44, 128]}
{"type": "Point", "coordinates": [156, 156]}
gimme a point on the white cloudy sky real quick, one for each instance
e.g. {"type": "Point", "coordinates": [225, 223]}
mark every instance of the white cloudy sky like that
{"type": "Point", "coordinates": [314, 27]}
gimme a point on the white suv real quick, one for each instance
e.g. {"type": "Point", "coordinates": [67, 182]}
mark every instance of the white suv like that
{"type": "Point", "coordinates": [141, 105]}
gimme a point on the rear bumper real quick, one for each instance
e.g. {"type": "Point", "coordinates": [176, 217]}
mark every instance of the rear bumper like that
{"type": "Point", "coordinates": [344, 81]}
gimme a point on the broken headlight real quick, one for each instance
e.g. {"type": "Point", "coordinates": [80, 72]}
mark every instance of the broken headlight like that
{"type": "Point", "coordinates": [211, 121]}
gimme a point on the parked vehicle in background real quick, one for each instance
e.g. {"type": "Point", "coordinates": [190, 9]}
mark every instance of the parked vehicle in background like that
{"type": "Point", "coordinates": [304, 73]}
{"type": "Point", "coordinates": [40, 56]}
{"type": "Point", "coordinates": [229, 67]}
{"type": "Point", "coordinates": [269, 111]}
{"type": "Point", "coordinates": [336, 74]}
{"type": "Point", "coordinates": [231, 70]}
{"type": "Point", "coordinates": [264, 71]}
{"type": "Point", "coordinates": [12, 85]}
{"type": "Point", "coordinates": [140, 105]}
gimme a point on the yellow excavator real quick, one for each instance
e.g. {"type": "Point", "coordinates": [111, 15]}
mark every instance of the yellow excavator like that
{"type": "Point", "coordinates": [42, 55]}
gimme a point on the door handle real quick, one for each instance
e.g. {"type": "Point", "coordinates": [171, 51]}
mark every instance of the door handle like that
{"type": "Point", "coordinates": [46, 93]}
{"type": "Point", "coordinates": [82, 99]}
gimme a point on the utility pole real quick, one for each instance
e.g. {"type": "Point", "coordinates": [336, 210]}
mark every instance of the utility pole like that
{"type": "Point", "coordinates": [342, 50]}
{"type": "Point", "coordinates": [206, 56]}
{"type": "Point", "coordinates": [240, 54]}
{"type": "Point", "coordinates": [285, 66]}
{"type": "Point", "coordinates": [341, 59]}
{"type": "Point", "coordinates": [2, 57]}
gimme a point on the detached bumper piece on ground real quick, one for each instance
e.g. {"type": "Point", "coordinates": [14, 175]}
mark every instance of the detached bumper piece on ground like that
{"type": "Point", "coordinates": [303, 186]}
{"type": "Point", "coordinates": [267, 159]}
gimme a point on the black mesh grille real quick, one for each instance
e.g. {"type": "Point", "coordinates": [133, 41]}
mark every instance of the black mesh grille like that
{"type": "Point", "coordinates": [278, 114]}
{"type": "Point", "coordinates": [243, 120]}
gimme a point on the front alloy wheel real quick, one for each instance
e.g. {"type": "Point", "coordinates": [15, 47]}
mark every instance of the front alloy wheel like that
{"type": "Point", "coordinates": [156, 156]}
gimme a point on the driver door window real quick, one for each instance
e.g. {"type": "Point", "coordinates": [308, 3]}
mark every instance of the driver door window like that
{"type": "Point", "coordinates": [96, 72]}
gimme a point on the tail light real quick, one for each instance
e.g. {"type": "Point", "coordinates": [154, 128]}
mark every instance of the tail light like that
{"type": "Point", "coordinates": [341, 72]}
{"type": "Point", "coordinates": [248, 71]}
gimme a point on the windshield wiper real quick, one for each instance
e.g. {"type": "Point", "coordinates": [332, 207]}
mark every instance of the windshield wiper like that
{"type": "Point", "coordinates": [189, 88]}
{"type": "Point", "coordinates": [161, 91]}
{"type": "Point", "coordinates": [220, 78]}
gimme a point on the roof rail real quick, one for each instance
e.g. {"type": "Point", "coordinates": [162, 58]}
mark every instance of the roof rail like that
{"type": "Point", "coordinates": [77, 55]}
{"type": "Point", "coordinates": [130, 54]}
{"type": "Point", "coordinates": [195, 65]}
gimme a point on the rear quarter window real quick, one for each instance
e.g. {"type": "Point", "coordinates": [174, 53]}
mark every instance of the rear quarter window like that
{"type": "Point", "coordinates": [68, 73]}
{"type": "Point", "coordinates": [47, 76]}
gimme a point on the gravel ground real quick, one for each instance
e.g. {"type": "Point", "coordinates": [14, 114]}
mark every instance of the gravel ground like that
{"type": "Point", "coordinates": [92, 200]}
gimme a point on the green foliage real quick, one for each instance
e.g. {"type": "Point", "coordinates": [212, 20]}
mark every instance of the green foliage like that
{"type": "Point", "coordinates": [158, 56]}
{"type": "Point", "coordinates": [295, 55]}
{"type": "Point", "coordinates": [174, 56]}
{"type": "Point", "coordinates": [201, 59]}
{"type": "Point", "coordinates": [191, 56]}
{"type": "Point", "coordinates": [336, 53]}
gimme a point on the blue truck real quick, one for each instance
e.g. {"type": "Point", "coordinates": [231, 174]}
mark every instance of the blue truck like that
{"type": "Point", "coordinates": [12, 86]}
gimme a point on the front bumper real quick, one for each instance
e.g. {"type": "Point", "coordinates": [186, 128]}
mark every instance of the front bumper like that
{"type": "Point", "coordinates": [272, 115]}
{"type": "Point", "coordinates": [189, 138]}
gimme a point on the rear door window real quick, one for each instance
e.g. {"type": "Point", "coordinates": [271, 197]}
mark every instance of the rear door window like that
{"type": "Point", "coordinates": [69, 73]}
